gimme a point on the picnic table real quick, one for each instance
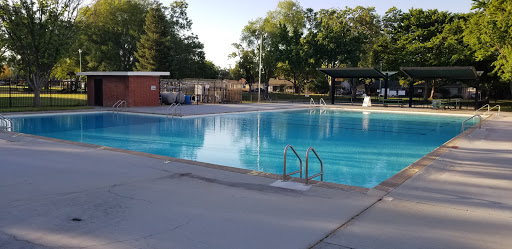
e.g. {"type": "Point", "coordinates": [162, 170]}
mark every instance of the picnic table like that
{"type": "Point", "coordinates": [446, 104]}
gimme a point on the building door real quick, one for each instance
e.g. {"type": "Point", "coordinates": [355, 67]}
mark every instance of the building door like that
{"type": "Point", "coordinates": [98, 92]}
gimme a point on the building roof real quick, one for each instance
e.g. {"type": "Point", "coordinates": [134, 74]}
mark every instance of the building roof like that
{"type": "Point", "coordinates": [453, 73]}
{"type": "Point", "coordinates": [124, 73]}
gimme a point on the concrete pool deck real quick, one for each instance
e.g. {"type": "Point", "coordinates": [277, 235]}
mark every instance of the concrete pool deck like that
{"type": "Point", "coordinates": [461, 200]}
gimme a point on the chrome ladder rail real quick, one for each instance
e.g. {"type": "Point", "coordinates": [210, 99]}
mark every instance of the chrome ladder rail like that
{"type": "Point", "coordinates": [118, 104]}
{"type": "Point", "coordinates": [284, 163]}
{"type": "Point", "coordinates": [322, 102]}
{"type": "Point", "coordinates": [5, 123]}
{"type": "Point", "coordinates": [499, 109]}
{"type": "Point", "coordinates": [312, 102]}
{"type": "Point", "coordinates": [486, 105]}
{"type": "Point", "coordinates": [479, 122]}
{"type": "Point", "coordinates": [173, 110]}
{"type": "Point", "coordinates": [321, 174]}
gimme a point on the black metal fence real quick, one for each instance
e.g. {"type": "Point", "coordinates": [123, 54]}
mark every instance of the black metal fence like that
{"type": "Point", "coordinates": [17, 93]}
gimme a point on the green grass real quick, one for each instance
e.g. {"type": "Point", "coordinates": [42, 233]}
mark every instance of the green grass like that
{"type": "Point", "coordinates": [55, 99]}
{"type": "Point", "coordinates": [36, 109]}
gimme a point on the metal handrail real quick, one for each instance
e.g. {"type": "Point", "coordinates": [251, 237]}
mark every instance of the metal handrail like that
{"type": "Point", "coordinates": [486, 105]}
{"type": "Point", "coordinates": [118, 104]}
{"type": "Point", "coordinates": [174, 110]}
{"type": "Point", "coordinates": [321, 174]}
{"type": "Point", "coordinates": [5, 123]}
{"type": "Point", "coordinates": [499, 109]}
{"type": "Point", "coordinates": [312, 102]}
{"type": "Point", "coordinates": [322, 100]}
{"type": "Point", "coordinates": [284, 163]}
{"type": "Point", "coordinates": [479, 122]}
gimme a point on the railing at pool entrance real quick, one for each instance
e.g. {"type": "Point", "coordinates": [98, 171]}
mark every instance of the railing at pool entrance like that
{"type": "Point", "coordinates": [321, 174]}
{"type": "Point", "coordinates": [306, 176]}
{"type": "Point", "coordinates": [322, 102]}
{"type": "Point", "coordinates": [285, 175]}
{"type": "Point", "coordinates": [174, 110]}
{"type": "Point", "coordinates": [5, 123]}
{"type": "Point", "coordinates": [489, 109]}
{"type": "Point", "coordinates": [471, 118]}
{"type": "Point", "coordinates": [118, 104]}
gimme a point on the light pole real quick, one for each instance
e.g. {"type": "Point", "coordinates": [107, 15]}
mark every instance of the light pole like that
{"type": "Point", "coordinates": [259, 68]}
{"type": "Point", "coordinates": [380, 80]}
{"type": "Point", "coordinates": [80, 53]}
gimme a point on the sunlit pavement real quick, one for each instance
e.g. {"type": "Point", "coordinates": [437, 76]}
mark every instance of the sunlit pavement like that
{"type": "Point", "coordinates": [461, 200]}
{"type": "Point", "coordinates": [62, 195]}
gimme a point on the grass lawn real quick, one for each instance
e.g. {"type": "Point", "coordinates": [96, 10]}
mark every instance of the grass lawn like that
{"type": "Point", "coordinates": [36, 109]}
{"type": "Point", "coordinates": [54, 99]}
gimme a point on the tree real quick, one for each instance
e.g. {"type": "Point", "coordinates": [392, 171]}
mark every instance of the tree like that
{"type": "Point", "coordinates": [38, 34]}
{"type": "Point", "coordinates": [489, 32]}
{"type": "Point", "coordinates": [422, 38]}
{"type": "Point", "coordinates": [293, 65]}
{"type": "Point", "coordinates": [210, 70]}
{"type": "Point", "coordinates": [153, 47]}
{"type": "Point", "coordinates": [111, 31]}
{"type": "Point", "coordinates": [186, 51]}
{"type": "Point", "coordinates": [246, 67]}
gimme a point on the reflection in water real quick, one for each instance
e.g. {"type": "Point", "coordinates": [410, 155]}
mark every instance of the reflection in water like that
{"type": "Point", "coordinates": [360, 149]}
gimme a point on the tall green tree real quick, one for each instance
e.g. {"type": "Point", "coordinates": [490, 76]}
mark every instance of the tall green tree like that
{"type": "Point", "coordinates": [185, 49]}
{"type": "Point", "coordinates": [38, 35]}
{"type": "Point", "coordinates": [111, 30]}
{"type": "Point", "coordinates": [489, 32]}
{"type": "Point", "coordinates": [246, 66]}
{"type": "Point", "coordinates": [422, 38]}
{"type": "Point", "coordinates": [152, 49]}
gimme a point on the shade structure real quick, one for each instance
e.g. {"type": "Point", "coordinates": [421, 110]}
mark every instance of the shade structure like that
{"type": "Point", "coordinates": [432, 73]}
{"type": "Point", "coordinates": [352, 72]}
{"type": "Point", "coordinates": [355, 72]}
{"type": "Point", "coordinates": [450, 73]}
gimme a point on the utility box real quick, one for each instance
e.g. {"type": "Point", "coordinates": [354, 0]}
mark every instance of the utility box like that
{"type": "Point", "coordinates": [136, 88]}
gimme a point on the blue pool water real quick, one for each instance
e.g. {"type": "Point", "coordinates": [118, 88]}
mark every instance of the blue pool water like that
{"type": "Point", "coordinates": [358, 148]}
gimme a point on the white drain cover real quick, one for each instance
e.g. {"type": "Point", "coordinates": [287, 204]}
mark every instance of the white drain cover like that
{"type": "Point", "coordinates": [290, 185]}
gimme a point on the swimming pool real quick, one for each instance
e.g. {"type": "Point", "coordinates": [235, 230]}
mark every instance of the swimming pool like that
{"type": "Point", "coordinates": [357, 148]}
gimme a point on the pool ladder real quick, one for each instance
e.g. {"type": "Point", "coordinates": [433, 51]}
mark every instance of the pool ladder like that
{"type": "Point", "coordinates": [306, 176]}
{"type": "Point", "coordinates": [119, 103]}
{"type": "Point", "coordinates": [320, 103]}
{"type": "Point", "coordinates": [471, 118]}
{"type": "Point", "coordinates": [489, 108]}
{"type": "Point", "coordinates": [174, 110]}
{"type": "Point", "coordinates": [5, 123]}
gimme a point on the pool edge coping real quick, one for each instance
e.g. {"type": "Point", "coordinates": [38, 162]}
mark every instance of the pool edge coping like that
{"type": "Point", "coordinates": [406, 173]}
{"type": "Point", "coordinates": [381, 189]}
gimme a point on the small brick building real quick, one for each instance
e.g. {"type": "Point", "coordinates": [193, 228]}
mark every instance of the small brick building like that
{"type": "Point", "coordinates": [136, 88]}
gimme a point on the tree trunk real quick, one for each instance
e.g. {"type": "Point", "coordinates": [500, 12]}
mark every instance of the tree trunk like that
{"type": "Point", "coordinates": [432, 91]}
{"type": "Point", "coordinates": [353, 87]}
{"type": "Point", "coordinates": [425, 91]}
{"type": "Point", "coordinates": [37, 97]}
{"type": "Point", "coordinates": [250, 91]}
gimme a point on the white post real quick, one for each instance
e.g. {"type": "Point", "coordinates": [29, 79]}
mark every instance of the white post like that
{"type": "Point", "coordinates": [80, 52]}
{"type": "Point", "coordinates": [259, 69]}
{"type": "Point", "coordinates": [380, 80]}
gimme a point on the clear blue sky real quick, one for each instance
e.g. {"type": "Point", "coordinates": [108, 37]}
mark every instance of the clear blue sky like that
{"type": "Point", "coordinates": [218, 23]}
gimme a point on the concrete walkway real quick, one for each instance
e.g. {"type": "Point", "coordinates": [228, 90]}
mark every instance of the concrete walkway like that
{"type": "Point", "coordinates": [461, 200]}
{"type": "Point", "coordinates": [61, 195]}
{"type": "Point", "coordinates": [129, 201]}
